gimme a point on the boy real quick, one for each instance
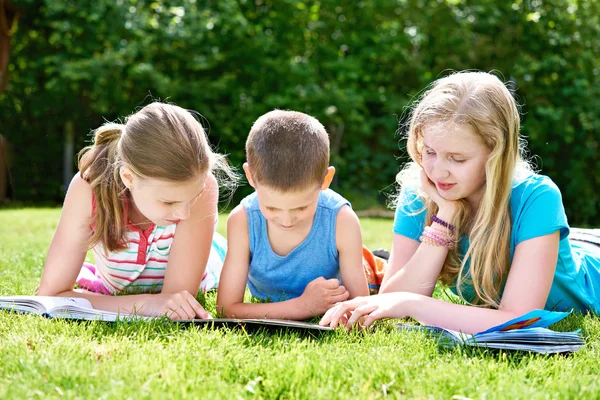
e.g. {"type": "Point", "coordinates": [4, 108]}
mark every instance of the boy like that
{"type": "Point", "coordinates": [293, 238]}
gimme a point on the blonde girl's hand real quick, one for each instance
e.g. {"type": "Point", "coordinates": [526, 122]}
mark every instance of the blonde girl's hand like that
{"type": "Point", "coordinates": [366, 310]}
{"type": "Point", "coordinates": [445, 206]}
{"type": "Point", "coordinates": [177, 306]}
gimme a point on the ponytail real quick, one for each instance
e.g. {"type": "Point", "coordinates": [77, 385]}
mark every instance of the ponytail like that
{"type": "Point", "coordinates": [99, 166]}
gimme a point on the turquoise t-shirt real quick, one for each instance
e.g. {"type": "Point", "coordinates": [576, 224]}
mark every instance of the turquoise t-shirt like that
{"type": "Point", "coordinates": [537, 210]}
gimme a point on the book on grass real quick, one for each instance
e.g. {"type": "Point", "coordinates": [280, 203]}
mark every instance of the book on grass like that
{"type": "Point", "coordinates": [61, 307]}
{"type": "Point", "coordinates": [528, 332]}
{"type": "Point", "coordinates": [77, 308]}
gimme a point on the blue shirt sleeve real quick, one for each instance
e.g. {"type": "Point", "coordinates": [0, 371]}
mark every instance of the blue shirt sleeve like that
{"type": "Point", "coordinates": [410, 214]}
{"type": "Point", "coordinates": [540, 210]}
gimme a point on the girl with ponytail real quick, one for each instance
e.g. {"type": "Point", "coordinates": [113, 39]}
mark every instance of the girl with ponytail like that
{"type": "Point", "coordinates": [145, 201]}
{"type": "Point", "coordinates": [473, 215]}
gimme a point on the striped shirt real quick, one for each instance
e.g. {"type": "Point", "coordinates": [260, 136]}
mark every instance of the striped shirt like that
{"type": "Point", "coordinates": [142, 265]}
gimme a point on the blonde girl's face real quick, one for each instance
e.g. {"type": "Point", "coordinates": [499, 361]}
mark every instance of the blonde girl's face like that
{"type": "Point", "coordinates": [454, 159]}
{"type": "Point", "coordinates": [165, 202]}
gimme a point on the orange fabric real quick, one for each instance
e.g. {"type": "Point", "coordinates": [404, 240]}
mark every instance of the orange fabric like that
{"type": "Point", "coordinates": [374, 269]}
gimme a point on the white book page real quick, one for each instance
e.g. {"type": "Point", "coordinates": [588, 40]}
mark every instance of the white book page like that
{"type": "Point", "coordinates": [59, 307]}
{"type": "Point", "coordinates": [40, 304]}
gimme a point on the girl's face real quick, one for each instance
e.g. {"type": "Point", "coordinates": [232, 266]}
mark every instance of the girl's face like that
{"type": "Point", "coordinates": [454, 159]}
{"type": "Point", "coordinates": [164, 202]}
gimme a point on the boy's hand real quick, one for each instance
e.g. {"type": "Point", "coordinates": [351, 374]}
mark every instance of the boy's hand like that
{"type": "Point", "coordinates": [321, 294]}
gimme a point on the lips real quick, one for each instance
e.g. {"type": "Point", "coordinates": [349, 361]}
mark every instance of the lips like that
{"type": "Point", "coordinates": [445, 186]}
{"type": "Point", "coordinates": [174, 221]}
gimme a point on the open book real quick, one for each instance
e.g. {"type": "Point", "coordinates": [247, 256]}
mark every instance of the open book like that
{"type": "Point", "coordinates": [528, 332]}
{"type": "Point", "coordinates": [60, 307]}
{"type": "Point", "coordinates": [81, 309]}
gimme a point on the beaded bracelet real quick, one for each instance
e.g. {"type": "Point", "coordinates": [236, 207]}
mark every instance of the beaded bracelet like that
{"type": "Point", "coordinates": [444, 238]}
{"type": "Point", "coordinates": [437, 237]}
{"type": "Point", "coordinates": [428, 240]}
{"type": "Point", "coordinates": [443, 223]}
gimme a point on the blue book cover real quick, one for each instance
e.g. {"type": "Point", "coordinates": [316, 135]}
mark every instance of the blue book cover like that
{"type": "Point", "coordinates": [528, 332]}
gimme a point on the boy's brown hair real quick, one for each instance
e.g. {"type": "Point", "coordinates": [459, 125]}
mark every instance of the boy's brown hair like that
{"type": "Point", "coordinates": [288, 150]}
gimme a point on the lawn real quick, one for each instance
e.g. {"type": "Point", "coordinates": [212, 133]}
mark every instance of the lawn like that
{"type": "Point", "coordinates": [41, 358]}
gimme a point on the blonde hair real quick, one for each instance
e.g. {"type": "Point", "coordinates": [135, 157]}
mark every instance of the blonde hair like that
{"type": "Point", "coordinates": [160, 141]}
{"type": "Point", "coordinates": [288, 150]}
{"type": "Point", "coordinates": [481, 101]}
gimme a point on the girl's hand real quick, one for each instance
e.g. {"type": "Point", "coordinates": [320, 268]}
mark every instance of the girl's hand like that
{"type": "Point", "coordinates": [368, 309]}
{"type": "Point", "coordinates": [445, 206]}
{"type": "Point", "coordinates": [177, 306]}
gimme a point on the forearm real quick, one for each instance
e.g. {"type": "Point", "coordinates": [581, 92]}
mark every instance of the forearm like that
{"type": "Point", "coordinates": [420, 273]}
{"type": "Point", "coordinates": [125, 304]}
{"type": "Point", "coordinates": [355, 281]}
{"type": "Point", "coordinates": [468, 319]}
{"type": "Point", "coordinates": [288, 309]}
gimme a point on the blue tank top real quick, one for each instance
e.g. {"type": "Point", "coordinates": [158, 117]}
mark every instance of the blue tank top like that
{"type": "Point", "coordinates": [272, 277]}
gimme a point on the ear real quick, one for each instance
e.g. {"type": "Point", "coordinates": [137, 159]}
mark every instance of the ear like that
{"type": "Point", "coordinates": [328, 178]}
{"type": "Point", "coordinates": [127, 177]}
{"type": "Point", "coordinates": [246, 167]}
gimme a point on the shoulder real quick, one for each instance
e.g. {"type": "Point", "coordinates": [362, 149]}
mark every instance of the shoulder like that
{"type": "Point", "coordinates": [211, 188]}
{"type": "Point", "coordinates": [208, 198]}
{"type": "Point", "coordinates": [409, 219]}
{"type": "Point", "coordinates": [79, 184]}
{"type": "Point", "coordinates": [238, 217]}
{"type": "Point", "coordinates": [80, 195]}
{"type": "Point", "coordinates": [535, 188]}
{"type": "Point", "coordinates": [346, 217]}
{"type": "Point", "coordinates": [347, 228]}
{"type": "Point", "coordinates": [332, 200]}
{"type": "Point", "coordinates": [537, 208]}
{"type": "Point", "coordinates": [409, 200]}
{"type": "Point", "coordinates": [250, 202]}
{"type": "Point", "coordinates": [237, 226]}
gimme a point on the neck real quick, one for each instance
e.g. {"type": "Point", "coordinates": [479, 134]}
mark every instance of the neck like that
{"type": "Point", "coordinates": [135, 217]}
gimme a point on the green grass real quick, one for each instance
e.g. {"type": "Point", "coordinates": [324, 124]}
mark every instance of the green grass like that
{"type": "Point", "coordinates": [41, 358]}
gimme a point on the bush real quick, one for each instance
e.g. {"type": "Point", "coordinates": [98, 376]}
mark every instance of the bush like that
{"type": "Point", "coordinates": [355, 66]}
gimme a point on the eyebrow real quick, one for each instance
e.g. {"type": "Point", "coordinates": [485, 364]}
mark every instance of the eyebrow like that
{"type": "Point", "coordinates": [295, 208]}
{"type": "Point", "coordinates": [450, 152]}
{"type": "Point", "coordinates": [179, 201]}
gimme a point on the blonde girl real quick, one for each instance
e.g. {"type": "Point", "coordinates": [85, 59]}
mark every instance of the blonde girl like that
{"type": "Point", "coordinates": [472, 214]}
{"type": "Point", "coordinates": [145, 202]}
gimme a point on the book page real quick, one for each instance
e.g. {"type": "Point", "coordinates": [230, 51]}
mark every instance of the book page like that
{"type": "Point", "coordinates": [40, 304]}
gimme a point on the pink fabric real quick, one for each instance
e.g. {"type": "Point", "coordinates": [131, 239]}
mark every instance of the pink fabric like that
{"type": "Point", "coordinates": [89, 279]}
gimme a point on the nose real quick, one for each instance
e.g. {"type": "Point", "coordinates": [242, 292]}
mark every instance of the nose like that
{"type": "Point", "coordinates": [439, 171]}
{"type": "Point", "coordinates": [287, 219]}
{"type": "Point", "coordinates": [182, 212]}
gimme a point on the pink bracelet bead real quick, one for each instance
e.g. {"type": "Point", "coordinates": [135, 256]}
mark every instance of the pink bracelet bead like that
{"type": "Point", "coordinates": [440, 237]}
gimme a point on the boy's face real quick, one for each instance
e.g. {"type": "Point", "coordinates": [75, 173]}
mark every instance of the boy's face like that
{"type": "Point", "coordinates": [290, 210]}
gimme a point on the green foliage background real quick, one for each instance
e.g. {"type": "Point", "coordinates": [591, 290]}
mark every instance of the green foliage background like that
{"type": "Point", "coordinates": [356, 66]}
